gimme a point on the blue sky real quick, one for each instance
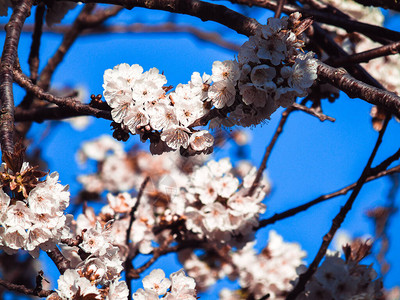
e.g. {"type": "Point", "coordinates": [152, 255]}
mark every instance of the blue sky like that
{"type": "Point", "coordinates": [311, 158]}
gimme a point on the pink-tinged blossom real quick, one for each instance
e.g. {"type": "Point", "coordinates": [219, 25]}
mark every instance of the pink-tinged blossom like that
{"type": "Point", "coordinates": [156, 282]}
{"type": "Point", "coordinates": [163, 117]}
{"type": "Point", "coordinates": [222, 94]}
{"type": "Point", "coordinates": [262, 75]}
{"type": "Point", "coordinates": [18, 214]}
{"type": "Point", "coordinates": [141, 294]}
{"type": "Point", "coordinates": [118, 290]}
{"type": "Point", "coordinates": [227, 70]}
{"type": "Point", "coordinates": [343, 280]}
{"type": "Point", "coordinates": [188, 111]}
{"type": "Point", "coordinates": [71, 285]}
{"type": "Point", "coordinates": [304, 72]}
{"type": "Point", "coordinates": [201, 140]}
{"type": "Point", "coordinates": [176, 137]}
{"type": "Point", "coordinates": [182, 286]}
{"type": "Point", "coordinates": [135, 118]}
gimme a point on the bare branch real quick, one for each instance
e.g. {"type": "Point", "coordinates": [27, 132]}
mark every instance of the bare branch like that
{"type": "Point", "coordinates": [381, 3]}
{"type": "Point", "coordinates": [269, 148]}
{"type": "Point", "coordinates": [358, 89]}
{"type": "Point", "coordinates": [202, 10]}
{"type": "Point", "coordinates": [322, 117]}
{"type": "Point", "coordinates": [366, 56]}
{"type": "Point", "coordinates": [83, 21]}
{"type": "Point", "coordinates": [24, 290]}
{"type": "Point", "coordinates": [13, 31]}
{"type": "Point", "coordinates": [343, 191]}
{"type": "Point", "coordinates": [33, 59]}
{"type": "Point", "coordinates": [128, 262]}
{"type": "Point", "coordinates": [168, 27]}
{"type": "Point", "coordinates": [70, 103]}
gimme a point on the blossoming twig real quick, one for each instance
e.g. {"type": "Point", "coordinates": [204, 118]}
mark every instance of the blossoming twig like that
{"type": "Point", "coordinates": [376, 33]}
{"type": "Point", "coordinates": [338, 220]}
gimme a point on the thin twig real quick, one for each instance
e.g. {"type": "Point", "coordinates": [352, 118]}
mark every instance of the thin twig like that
{"type": "Point", "coordinates": [24, 290]}
{"type": "Point", "coordinates": [33, 59]}
{"type": "Point", "coordinates": [10, 51]}
{"type": "Point", "coordinates": [268, 150]}
{"type": "Point", "coordinates": [83, 21]}
{"type": "Point", "coordinates": [69, 103]}
{"type": "Point", "coordinates": [278, 10]}
{"type": "Point", "coordinates": [157, 253]}
{"type": "Point", "coordinates": [168, 27]}
{"type": "Point", "coordinates": [343, 191]}
{"type": "Point", "coordinates": [128, 262]}
{"type": "Point", "coordinates": [366, 56]}
{"type": "Point", "coordinates": [338, 220]}
{"type": "Point", "coordinates": [322, 117]}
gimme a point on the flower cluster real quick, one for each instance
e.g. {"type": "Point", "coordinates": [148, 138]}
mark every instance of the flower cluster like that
{"type": "Point", "coordinates": [271, 71]}
{"type": "Point", "coordinates": [340, 279]}
{"type": "Point", "coordinates": [270, 272]}
{"type": "Point", "coordinates": [37, 221]}
{"type": "Point", "coordinates": [217, 205]}
{"type": "Point", "coordinates": [139, 102]}
{"type": "Point", "coordinates": [96, 266]}
{"type": "Point", "coordinates": [178, 286]}
{"type": "Point", "coordinates": [212, 201]}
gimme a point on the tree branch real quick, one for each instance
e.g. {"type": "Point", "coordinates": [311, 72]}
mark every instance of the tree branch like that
{"type": "Point", "coordinates": [59, 260]}
{"type": "Point", "coordinates": [83, 21]}
{"type": "Point", "coordinates": [366, 56]}
{"type": "Point", "coordinates": [358, 89]}
{"type": "Point", "coordinates": [128, 262]}
{"type": "Point", "coordinates": [167, 27]}
{"type": "Point", "coordinates": [13, 31]}
{"type": "Point", "coordinates": [33, 59]}
{"type": "Point", "coordinates": [24, 290]}
{"type": "Point", "coordinates": [202, 10]}
{"type": "Point", "coordinates": [268, 150]}
{"type": "Point", "coordinates": [70, 103]}
{"type": "Point", "coordinates": [379, 34]}
{"type": "Point", "coordinates": [343, 191]}
{"type": "Point", "coordinates": [381, 3]}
